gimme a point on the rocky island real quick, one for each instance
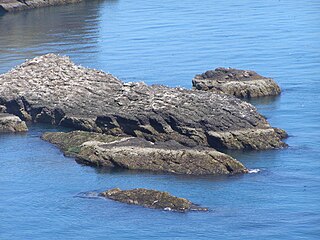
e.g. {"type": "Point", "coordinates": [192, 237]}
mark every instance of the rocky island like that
{"type": "Point", "coordinates": [152, 199]}
{"type": "Point", "coordinates": [52, 89]}
{"type": "Point", "coordinates": [239, 83]}
{"type": "Point", "coordinates": [19, 5]}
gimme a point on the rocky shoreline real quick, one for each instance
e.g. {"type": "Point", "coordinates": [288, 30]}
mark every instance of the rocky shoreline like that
{"type": "Point", "coordinates": [15, 5]}
{"type": "Point", "coordinates": [239, 83]}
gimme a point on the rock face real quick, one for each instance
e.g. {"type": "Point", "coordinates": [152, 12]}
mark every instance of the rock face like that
{"type": "Point", "coordinates": [138, 154]}
{"type": "Point", "coordinates": [52, 89]}
{"type": "Point", "coordinates": [11, 123]}
{"type": "Point", "coordinates": [239, 83]}
{"type": "Point", "coordinates": [152, 199]}
{"type": "Point", "coordinates": [18, 5]}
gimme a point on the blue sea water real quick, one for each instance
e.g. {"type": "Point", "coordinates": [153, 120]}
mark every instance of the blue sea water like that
{"type": "Point", "coordinates": [168, 42]}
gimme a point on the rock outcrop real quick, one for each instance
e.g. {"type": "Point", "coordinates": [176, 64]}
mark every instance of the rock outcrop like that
{"type": "Point", "coordinates": [239, 83]}
{"type": "Point", "coordinates": [10, 123]}
{"type": "Point", "coordinates": [152, 199]}
{"type": "Point", "coordinates": [54, 90]}
{"type": "Point", "coordinates": [19, 5]}
{"type": "Point", "coordinates": [133, 153]}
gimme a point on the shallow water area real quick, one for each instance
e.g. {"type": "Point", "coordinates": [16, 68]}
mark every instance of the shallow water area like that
{"type": "Point", "coordinates": [168, 42]}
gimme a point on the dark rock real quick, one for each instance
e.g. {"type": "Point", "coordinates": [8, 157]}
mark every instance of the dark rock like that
{"type": "Point", "coordinates": [92, 100]}
{"type": "Point", "coordinates": [132, 153]}
{"type": "Point", "coordinates": [11, 123]}
{"type": "Point", "coordinates": [152, 199]}
{"type": "Point", "coordinates": [18, 5]}
{"type": "Point", "coordinates": [239, 83]}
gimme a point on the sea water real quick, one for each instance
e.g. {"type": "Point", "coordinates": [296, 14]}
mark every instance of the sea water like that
{"type": "Point", "coordinates": [43, 195]}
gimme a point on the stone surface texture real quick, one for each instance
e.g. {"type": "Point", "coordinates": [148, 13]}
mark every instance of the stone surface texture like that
{"type": "Point", "coordinates": [52, 89]}
{"type": "Point", "coordinates": [239, 83]}
{"type": "Point", "coordinates": [152, 199]}
{"type": "Point", "coordinates": [19, 5]}
{"type": "Point", "coordinates": [10, 123]}
{"type": "Point", "coordinates": [133, 153]}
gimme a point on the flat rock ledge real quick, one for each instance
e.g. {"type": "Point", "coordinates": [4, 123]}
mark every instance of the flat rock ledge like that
{"type": "Point", "coordinates": [239, 83]}
{"type": "Point", "coordinates": [52, 89]}
{"type": "Point", "coordinates": [19, 5]}
{"type": "Point", "coordinates": [101, 150]}
{"type": "Point", "coordinates": [151, 199]}
{"type": "Point", "coordinates": [10, 123]}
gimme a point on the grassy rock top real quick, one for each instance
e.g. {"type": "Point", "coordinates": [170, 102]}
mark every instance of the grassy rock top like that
{"type": "Point", "coordinates": [151, 199]}
{"type": "Point", "coordinates": [101, 150]}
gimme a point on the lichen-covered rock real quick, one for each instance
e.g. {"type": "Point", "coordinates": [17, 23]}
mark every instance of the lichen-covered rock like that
{"type": "Point", "coordinates": [52, 89]}
{"type": "Point", "coordinates": [152, 199]}
{"type": "Point", "coordinates": [71, 142]}
{"type": "Point", "coordinates": [18, 5]}
{"type": "Point", "coordinates": [239, 83]}
{"type": "Point", "coordinates": [11, 123]}
{"type": "Point", "coordinates": [132, 153]}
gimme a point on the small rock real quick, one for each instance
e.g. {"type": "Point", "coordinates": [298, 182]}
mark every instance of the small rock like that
{"type": "Point", "coordinates": [152, 199]}
{"type": "Point", "coordinates": [3, 109]}
{"type": "Point", "coordinates": [11, 123]}
{"type": "Point", "coordinates": [239, 83]}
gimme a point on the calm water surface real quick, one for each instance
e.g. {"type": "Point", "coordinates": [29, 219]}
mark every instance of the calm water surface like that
{"type": "Point", "coordinates": [168, 42]}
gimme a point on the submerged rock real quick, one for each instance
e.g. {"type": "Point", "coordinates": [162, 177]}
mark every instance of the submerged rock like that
{"type": "Point", "coordinates": [52, 89]}
{"type": "Point", "coordinates": [152, 199]}
{"type": "Point", "coordinates": [18, 5]}
{"type": "Point", "coordinates": [133, 153]}
{"type": "Point", "coordinates": [239, 83]}
{"type": "Point", "coordinates": [11, 123]}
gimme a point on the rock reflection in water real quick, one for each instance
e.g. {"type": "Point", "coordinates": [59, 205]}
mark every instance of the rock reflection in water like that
{"type": "Point", "coordinates": [61, 29]}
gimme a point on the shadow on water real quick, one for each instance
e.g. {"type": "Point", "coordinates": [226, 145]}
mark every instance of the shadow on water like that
{"type": "Point", "coordinates": [267, 100]}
